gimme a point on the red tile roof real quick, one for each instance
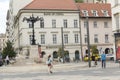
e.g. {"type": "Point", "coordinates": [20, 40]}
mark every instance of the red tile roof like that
{"type": "Point", "coordinates": [94, 6]}
{"type": "Point", "coordinates": [52, 4]}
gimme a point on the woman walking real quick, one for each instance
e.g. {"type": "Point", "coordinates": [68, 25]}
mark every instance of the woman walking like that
{"type": "Point", "coordinates": [49, 63]}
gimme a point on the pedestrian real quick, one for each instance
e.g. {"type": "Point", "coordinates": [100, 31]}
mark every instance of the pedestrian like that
{"type": "Point", "coordinates": [50, 64]}
{"type": "Point", "coordinates": [103, 60]}
{"type": "Point", "coordinates": [7, 60]}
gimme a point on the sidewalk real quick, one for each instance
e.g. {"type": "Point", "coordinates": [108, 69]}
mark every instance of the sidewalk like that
{"type": "Point", "coordinates": [57, 67]}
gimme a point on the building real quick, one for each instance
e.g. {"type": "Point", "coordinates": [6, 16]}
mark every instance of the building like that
{"type": "Point", "coordinates": [97, 1]}
{"type": "Point", "coordinates": [100, 26]}
{"type": "Point", "coordinates": [2, 41]}
{"type": "Point", "coordinates": [116, 23]}
{"type": "Point", "coordinates": [60, 21]}
{"type": "Point", "coordinates": [48, 31]}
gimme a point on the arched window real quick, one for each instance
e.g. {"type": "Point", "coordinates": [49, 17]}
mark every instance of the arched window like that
{"type": "Point", "coordinates": [55, 54]}
{"type": "Point", "coordinates": [77, 56]}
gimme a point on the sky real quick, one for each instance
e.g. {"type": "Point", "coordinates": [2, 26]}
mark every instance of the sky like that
{"type": "Point", "coordinates": [4, 5]}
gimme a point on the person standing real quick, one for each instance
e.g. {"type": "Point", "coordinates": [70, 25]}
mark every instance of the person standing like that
{"type": "Point", "coordinates": [103, 59]}
{"type": "Point", "coordinates": [49, 63]}
{"type": "Point", "coordinates": [7, 60]}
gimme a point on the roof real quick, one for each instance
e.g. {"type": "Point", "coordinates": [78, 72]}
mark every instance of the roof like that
{"type": "Point", "coordinates": [94, 6]}
{"type": "Point", "coordinates": [52, 4]}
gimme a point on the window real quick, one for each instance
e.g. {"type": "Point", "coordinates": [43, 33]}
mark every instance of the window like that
{"type": "Point", "coordinates": [95, 24]}
{"type": "Point", "coordinates": [106, 38]}
{"type": "Point", "coordinates": [85, 24]}
{"type": "Point", "coordinates": [53, 23]}
{"type": "Point", "coordinates": [41, 23]}
{"type": "Point", "coordinates": [116, 2]}
{"type": "Point", "coordinates": [117, 21]}
{"type": "Point", "coordinates": [66, 38]}
{"type": "Point", "coordinates": [65, 23]}
{"type": "Point", "coordinates": [85, 12]}
{"type": "Point", "coordinates": [75, 23]}
{"type": "Point", "coordinates": [76, 38]}
{"type": "Point", "coordinates": [94, 12]}
{"type": "Point", "coordinates": [105, 24]}
{"type": "Point", "coordinates": [105, 13]}
{"type": "Point", "coordinates": [42, 39]}
{"type": "Point", "coordinates": [96, 38]}
{"type": "Point", "coordinates": [54, 39]}
{"type": "Point", "coordinates": [30, 38]}
{"type": "Point", "coordinates": [85, 38]}
{"type": "Point", "coordinates": [30, 24]}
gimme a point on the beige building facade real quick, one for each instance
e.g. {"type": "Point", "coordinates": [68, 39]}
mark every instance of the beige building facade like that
{"type": "Point", "coordinates": [48, 32]}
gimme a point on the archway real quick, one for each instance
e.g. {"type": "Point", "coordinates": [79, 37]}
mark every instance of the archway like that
{"type": "Point", "coordinates": [55, 55]}
{"type": "Point", "coordinates": [42, 54]}
{"type": "Point", "coordinates": [66, 56]}
{"type": "Point", "coordinates": [107, 51]}
{"type": "Point", "coordinates": [77, 56]}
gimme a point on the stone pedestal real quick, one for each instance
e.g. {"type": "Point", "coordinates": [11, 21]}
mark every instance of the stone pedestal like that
{"type": "Point", "coordinates": [34, 51]}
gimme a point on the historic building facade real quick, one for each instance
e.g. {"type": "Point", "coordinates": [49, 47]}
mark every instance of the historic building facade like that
{"type": "Point", "coordinates": [116, 23]}
{"type": "Point", "coordinates": [58, 21]}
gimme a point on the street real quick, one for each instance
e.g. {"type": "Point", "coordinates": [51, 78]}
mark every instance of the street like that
{"type": "Point", "coordinates": [75, 72]}
{"type": "Point", "coordinates": [78, 74]}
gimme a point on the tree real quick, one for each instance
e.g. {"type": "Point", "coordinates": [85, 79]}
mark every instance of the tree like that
{"type": "Point", "coordinates": [99, 0]}
{"type": "Point", "coordinates": [9, 50]}
{"type": "Point", "coordinates": [60, 54]}
{"type": "Point", "coordinates": [94, 50]}
{"type": "Point", "coordinates": [79, 1]}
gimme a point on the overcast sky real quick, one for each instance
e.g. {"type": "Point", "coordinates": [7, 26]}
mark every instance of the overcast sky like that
{"type": "Point", "coordinates": [4, 5]}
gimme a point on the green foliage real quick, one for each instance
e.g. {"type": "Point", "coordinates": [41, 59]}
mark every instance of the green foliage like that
{"type": "Point", "coordinates": [60, 52]}
{"type": "Point", "coordinates": [94, 50]}
{"type": "Point", "coordinates": [99, 0]}
{"type": "Point", "coordinates": [79, 1]}
{"type": "Point", "coordinates": [8, 50]}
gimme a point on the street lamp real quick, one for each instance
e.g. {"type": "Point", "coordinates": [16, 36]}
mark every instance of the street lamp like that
{"type": "Point", "coordinates": [88, 40]}
{"type": "Point", "coordinates": [32, 20]}
{"type": "Point", "coordinates": [62, 43]}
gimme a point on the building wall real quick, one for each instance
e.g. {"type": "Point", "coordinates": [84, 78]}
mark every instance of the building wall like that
{"type": "Point", "coordinates": [48, 31]}
{"type": "Point", "coordinates": [100, 30]}
{"type": "Point", "coordinates": [116, 21]}
{"type": "Point", "coordinates": [95, 1]}
{"type": "Point", "coordinates": [2, 42]}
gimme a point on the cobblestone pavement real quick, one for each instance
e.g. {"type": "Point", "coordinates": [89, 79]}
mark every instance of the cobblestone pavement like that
{"type": "Point", "coordinates": [67, 71]}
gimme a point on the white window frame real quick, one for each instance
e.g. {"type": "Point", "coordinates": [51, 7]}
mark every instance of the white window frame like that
{"type": "Point", "coordinates": [65, 23]}
{"type": "Point", "coordinates": [95, 24]}
{"type": "Point", "coordinates": [105, 13]}
{"type": "Point", "coordinates": [95, 38]}
{"type": "Point", "coordinates": [53, 23]}
{"type": "Point", "coordinates": [105, 24]}
{"type": "Point", "coordinates": [85, 12]}
{"type": "Point", "coordinates": [30, 38]}
{"type": "Point", "coordinates": [76, 38]}
{"type": "Point", "coordinates": [75, 23]}
{"type": "Point", "coordinates": [106, 38]}
{"type": "Point", "coordinates": [85, 37]}
{"type": "Point", "coordinates": [42, 39]}
{"type": "Point", "coordinates": [66, 38]}
{"type": "Point", "coordinates": [54, 39]}
{"type": "Point", "coordinates": [94, 12]}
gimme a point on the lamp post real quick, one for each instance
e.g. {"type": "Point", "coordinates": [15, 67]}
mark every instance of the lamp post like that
{"type": "Point", "coordinates": [88, 44]}
{"type": "Point", "coordinates": [32, 20]}
{"type": "Point", "coordinates": [62, 43]}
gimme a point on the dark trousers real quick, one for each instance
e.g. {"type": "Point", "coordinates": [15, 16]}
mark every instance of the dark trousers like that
{"type": "Point", "coordinates": [103, 63]}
